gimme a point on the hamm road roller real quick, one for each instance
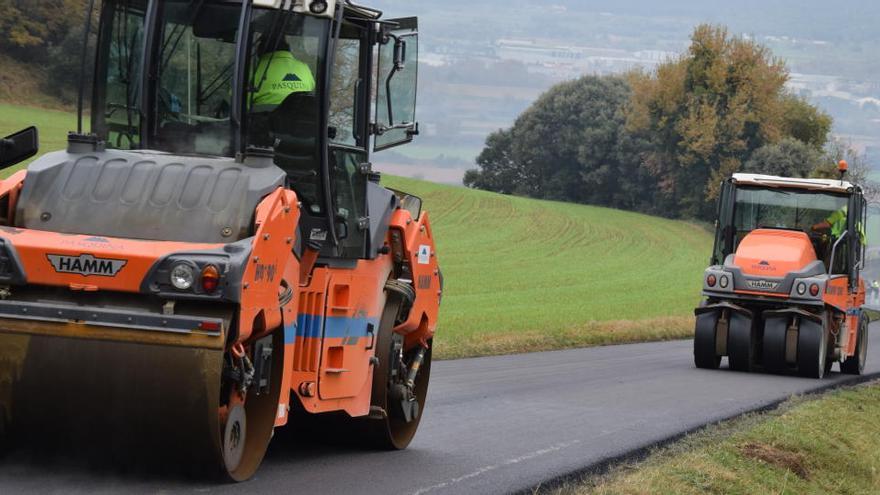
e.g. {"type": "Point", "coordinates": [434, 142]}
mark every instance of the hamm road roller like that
{"type": "Point", "coordinates": [216, 252]}
{"type": "Point", "coordinates": [784, 293]}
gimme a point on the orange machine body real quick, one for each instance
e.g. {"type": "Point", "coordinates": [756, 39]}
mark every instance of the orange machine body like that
{"type": "Point", "coordinates": [330, 325]}
{"type": "Point", "coordinates": [789, 297]}
{"type": "Point", "coordinates": [774, 253]}
{"type": "Point", "coordinates": [218, 267]}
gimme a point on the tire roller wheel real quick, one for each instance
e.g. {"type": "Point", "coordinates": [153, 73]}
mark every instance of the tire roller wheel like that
{"type": "Point", "coordinates": [773, 346]}
{"type": "Point", "coordinates": [704, 341]}
{"type": "Point", "coordinates": [812, 352]}
{"type": "Point", "coordinates": [855, 364]}
{"type": "Point", "coordinates": [129, 403]}
{"type": "Point", "coordinates": [393, 432]}
{"type": "Point", "coordinates": [740, 343]}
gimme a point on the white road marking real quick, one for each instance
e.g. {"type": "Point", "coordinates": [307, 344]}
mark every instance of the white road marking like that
{"type": "Point", "coordinates": [516, 460]}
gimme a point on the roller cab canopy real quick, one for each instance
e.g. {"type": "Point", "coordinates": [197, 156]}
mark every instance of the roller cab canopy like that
{"type": "Point", "coordinates": [174, 96]}
{"type": "Point", "coordinates": [791, 207]}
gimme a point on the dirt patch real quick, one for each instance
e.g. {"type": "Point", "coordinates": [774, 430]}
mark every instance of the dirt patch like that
{"type": "Point", "coordinates": [775, 456]}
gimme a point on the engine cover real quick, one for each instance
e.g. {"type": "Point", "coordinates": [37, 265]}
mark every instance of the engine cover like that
{"type": "Point", "coordinates": [774, 253]}
{"type": "Point", "coordinates": [145, 195]}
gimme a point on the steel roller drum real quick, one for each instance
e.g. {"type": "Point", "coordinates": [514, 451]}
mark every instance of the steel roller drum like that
{"type": "Point", "coordinates": [128, 396]}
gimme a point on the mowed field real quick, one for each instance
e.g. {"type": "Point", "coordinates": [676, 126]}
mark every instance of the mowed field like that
{"type": "Point", "coordinates": [524, 275]}
{"type": "Point", "coordinates": [53, 125]}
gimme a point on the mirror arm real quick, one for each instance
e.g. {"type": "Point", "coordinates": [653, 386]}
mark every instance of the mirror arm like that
{"type": "Point", "coordinates": [397, 67]}
{"type": "Point", "coordinates": [382, 129]}
{"type": "Point", "coordinates": [388, 95]}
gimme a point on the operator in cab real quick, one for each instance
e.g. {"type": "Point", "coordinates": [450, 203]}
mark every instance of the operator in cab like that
{"type": "Point", "coordinates": [283, 108]}
{"type": "Point", "coordinates": [277, 74]}
{"type": "Point", "coordinates": [835, 225]}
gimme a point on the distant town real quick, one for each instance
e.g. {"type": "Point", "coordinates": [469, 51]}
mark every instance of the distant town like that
{"type": "Point", "coordinates": [506, 73]}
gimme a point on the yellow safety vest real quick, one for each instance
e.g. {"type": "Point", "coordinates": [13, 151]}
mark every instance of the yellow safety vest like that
{"type": "Point", "coordinates": [276, 76]}
{"type": "Point", "coordinates": [837, 220]}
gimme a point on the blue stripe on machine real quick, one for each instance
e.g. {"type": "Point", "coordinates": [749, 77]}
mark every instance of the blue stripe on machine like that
{"type": "Point", "coordinates": [290, 333]}
{"type": "Point", "coordinates": [309, 326]}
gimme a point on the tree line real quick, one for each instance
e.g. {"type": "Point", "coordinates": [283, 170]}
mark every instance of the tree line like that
{"type": "Point", "coordinates": [47, 35]}
{"type": "Point", "coordinates": [661, 142]}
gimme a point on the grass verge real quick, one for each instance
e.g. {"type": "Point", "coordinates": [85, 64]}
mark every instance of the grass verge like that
{"type": "Point", "coordinates": [588, 334]}
{"type": "Point", "coordinates": [807, 446]}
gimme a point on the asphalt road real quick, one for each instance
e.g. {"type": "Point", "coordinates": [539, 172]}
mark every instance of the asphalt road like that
{"type": "Point", "coordinates": [492, 425]}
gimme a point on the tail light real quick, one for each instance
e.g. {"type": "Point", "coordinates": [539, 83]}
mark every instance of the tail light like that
{"type": "Point", "coordinates": [711, 280]}
{"type": "Point", "coordinates": [814, 290]}
{"type": "Point", "coordinates": [210, 278]}
{"type": "Point", "coordinates": [210, 326]}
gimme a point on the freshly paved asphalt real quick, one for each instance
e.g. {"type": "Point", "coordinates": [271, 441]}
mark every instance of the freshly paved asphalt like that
{"type": "Point", "coordinates": [492, 425]}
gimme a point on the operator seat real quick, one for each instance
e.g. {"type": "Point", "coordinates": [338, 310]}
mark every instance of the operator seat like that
{"type": "Point", "coordinates": [294, 129]}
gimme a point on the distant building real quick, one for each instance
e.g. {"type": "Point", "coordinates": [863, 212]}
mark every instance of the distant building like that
{"type": "Point", "coordinates": [549, 57]}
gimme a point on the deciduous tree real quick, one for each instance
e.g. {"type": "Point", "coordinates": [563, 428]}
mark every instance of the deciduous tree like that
{"type": "Point", "coordinates": [706, 112]}
{"type": "Point", "coordinates": [570, 145]}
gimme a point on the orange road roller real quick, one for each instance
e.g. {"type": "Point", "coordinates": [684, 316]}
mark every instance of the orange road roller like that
{"type": "Point", "coordinates": [784, 293]}
{"type": "Point", "coordinates": [216, 252]}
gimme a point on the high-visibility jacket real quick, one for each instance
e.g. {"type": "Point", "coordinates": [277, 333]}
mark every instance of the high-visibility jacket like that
{"type": "Point", "coordinates": [837, 220]}
{"type": "Point", "coordinates": [276, 76]}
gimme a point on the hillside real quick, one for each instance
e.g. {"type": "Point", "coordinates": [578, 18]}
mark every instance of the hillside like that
{"type": "Point", "coordinates": [524, 275]}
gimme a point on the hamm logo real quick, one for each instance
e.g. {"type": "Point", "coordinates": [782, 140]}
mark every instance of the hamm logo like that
{"type": "Point", "coordinates": [86, 265]}
{"type": "Point", "coordinates": [762, 284]}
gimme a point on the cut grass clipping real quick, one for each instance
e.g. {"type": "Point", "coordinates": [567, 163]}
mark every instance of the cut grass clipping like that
{"type": "Point", "coordinates": [807, 446]}
{"type": "Point", "coordinates": [524, 275]}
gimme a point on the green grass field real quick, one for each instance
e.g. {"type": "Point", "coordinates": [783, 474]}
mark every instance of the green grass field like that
{"type": "Point", "coordinates": [827, 445]}
{"type": "Point", "coordinates": [527, 275]}
{"type": "Point", "coordinates": [524, 275]}
{"type": "Point", "coordinates": [53, 125]}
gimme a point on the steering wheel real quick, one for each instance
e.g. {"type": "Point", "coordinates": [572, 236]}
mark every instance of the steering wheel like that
{"type": "Point", "coordinates": [818, 236]}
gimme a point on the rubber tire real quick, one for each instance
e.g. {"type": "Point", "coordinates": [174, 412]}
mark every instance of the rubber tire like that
{"type": "Point", "coordinates": [740, 343]}
{"type": "Point", "coordinates": [774, 344]}
{"type": "Point", "coordinates": [705, 333]}
{"type": "Point", "coordinates": [812, 352]}
{"type": "Point", "coordinates": [855, 364]}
